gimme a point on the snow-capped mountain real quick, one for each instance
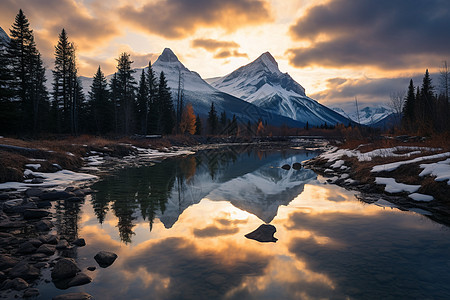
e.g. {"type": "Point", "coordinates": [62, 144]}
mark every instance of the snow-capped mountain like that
{"type": "Point", "coordinates": [198, 92]}
{"type": "Point", "coordinates": [263, 84]}
{"type": "Point", "coordinates": [4, 38]}
{"type": "Point", "coordinates": [368, 115]}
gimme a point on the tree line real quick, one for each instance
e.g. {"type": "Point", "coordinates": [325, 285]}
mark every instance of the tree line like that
{"type": "Point", "coordinates": [426, 111]}
{"type": "Point", "coordinates": [121, 106]}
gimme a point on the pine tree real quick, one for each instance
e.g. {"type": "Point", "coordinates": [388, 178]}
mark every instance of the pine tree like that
{"type": "Point", "coordinates": [27, 73]}
{"type": "Point", "coordinates": [167, 111]}
{"type": "Point", "coordinates": [67, 92]}
{"type": "Point", "coordinates": [409, 108]}
{"type": "Point", "coordinates": [99, 105]}
{"type": "Point", "coordinates": [143, 103]}
{"type": "Point", "coordinates": [198, 125]}
{"type": "Point", "coordinates": [212, 120]}
{"type": "Point", "coordinates": [152, 115]}
{"type": "Point", "coordinates": [114, 94]}
{"type": "Point", "coordinates": [426, 103]}
{"type": "Point", "coordinates": [126, 88]}
{"type": "Point", "coordinates": [233, 126]}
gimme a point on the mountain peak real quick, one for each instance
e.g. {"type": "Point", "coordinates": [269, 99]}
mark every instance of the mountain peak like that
{"type": "Point", "coordinates": [3, 36]}
{"type": "Point", "coordinates": [267, 60]}
{"type": "Point", "coordinates": [168, 56]}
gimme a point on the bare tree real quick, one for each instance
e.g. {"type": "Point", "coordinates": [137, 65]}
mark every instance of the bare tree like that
{"type": "Point", "coordinates": [445, 79]}
{"type": "Point", "coordinates": [396, 103]}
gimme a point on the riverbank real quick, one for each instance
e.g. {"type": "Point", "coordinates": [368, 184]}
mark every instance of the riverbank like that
{"type": "Point", "coordinates": [394, 172]}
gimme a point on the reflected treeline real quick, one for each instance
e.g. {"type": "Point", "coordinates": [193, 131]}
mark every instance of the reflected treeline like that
{"type": "Point", "coordinates": [167, 188]}
{"type": "Point", "coordinates": [140, 189]}
{"type": "Point", "coordinates": [67, 215]}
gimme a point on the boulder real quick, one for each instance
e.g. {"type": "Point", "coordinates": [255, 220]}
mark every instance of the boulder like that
{"type": "Point", "coordinates": [80, 279]}
{"type": "Point", "coordinates": [56, 195]}
{"type": "Point", "coordinates": [35, 242]}
{"type": "Point", "coordinates": [65, 268]}
{"type": "Point", "coordinates": [33, 192]}
{"type": "Point", "coordinates": [4, 196]}
{"type": "Point", "coordinates": [62, 244]}
{"type": "Point", "coordinates": [37, 213]}
{"type": "Point", "coordinates": [43, 225]}
{"type": "Point", "coordinates": [26, 248]}
{"type": "Point", "coordinates": [46, 249]}
{"type": "Point", "coordinates": [7, 262]}
{"type": "Point", "coordinates": [105, 258]}
{"type": "Point", "coordinates": [74, 296]}
{"type": "Point", "coordinates": [74, 199]}
{"type": "Point", "coordinates": [17, 284]}
{"type": "Point", "coordinates": [11, 205]}
{"type": "Point", "coordinates": [24, 270]}
{"type": "Point", "coordinates": [92, 268]}
{"type": "Point", "coordinates": [31, 292]}
{"type": "Point", "coordinates": [49, 239]}
{"type": "Point", "coordinates": [263, 233]}
{"type": "Point", "coordinates": [43, 204]}
{"type": "Point", "coordinates": [79, 242]}
{"type": "Point", "coordinates": [286, 167]}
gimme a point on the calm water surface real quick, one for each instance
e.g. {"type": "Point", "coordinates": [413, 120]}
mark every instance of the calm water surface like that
{"type": "Point", "coordinates": [178, 228]}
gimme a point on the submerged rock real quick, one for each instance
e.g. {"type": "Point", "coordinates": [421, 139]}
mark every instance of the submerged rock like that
{"type": "Point", "coordinates": [263, 233]}
{"type": "Point", "coordinates": [74, 296]}
{"type": "Point", "coordinates": [80, 279]}
{"type": "Point", "coordinates": [46, 249]}
{"type": "Point", "coordinates": [105, 258]}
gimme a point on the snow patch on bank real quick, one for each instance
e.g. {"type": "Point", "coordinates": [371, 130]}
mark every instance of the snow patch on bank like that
{"type": "Point", "coordinates": [440, 169]}
{"type": "Point", "coordinates": [61, 178]}
{"type": "Point", "coordinates": [392, 166]}
{"type": "Point", "coordinates": [393, 186]}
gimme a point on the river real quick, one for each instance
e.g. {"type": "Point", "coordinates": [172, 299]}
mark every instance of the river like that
{"type": "Point", "coordinates": [178, 227]}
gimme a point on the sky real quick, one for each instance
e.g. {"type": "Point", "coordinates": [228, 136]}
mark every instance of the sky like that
{"type": "Point", "coordinates": [336, 49]}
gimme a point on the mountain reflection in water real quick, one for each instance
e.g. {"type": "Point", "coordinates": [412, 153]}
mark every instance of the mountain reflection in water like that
{"type": "Point", "coordinates": [252, 181]}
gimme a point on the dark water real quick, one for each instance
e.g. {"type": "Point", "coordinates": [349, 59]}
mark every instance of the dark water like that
{"type": "Point", "coordinates": [178, 228]}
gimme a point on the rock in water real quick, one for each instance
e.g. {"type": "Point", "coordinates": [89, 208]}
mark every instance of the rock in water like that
{"type": "Point", "coordinates": [74, 296]}
{"type": "Point", "coordinates": [297, 166]}
{"type": "Point", "coordinates": [79, 242]}
{"type": "Point", "coordinates": [65, 268]}
{"type": "Point", "coordinates": [31, 292]}
{"type": "Point", "coordinates": [286, 167]}
{"type": "Point", "coordinates": [263, 234]}
{"type": "Point", "coordinates": [105, 258]}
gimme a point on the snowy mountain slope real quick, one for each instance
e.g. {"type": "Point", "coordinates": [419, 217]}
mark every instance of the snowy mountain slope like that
{"type": "Point", "coordinates": [4, 38]}
{"type": "Point", "coordinates": [198, 92]}
{"type": "Point", "coordinates": [263, 84]}
{"type": "Point", "coordinates": [369, 115]}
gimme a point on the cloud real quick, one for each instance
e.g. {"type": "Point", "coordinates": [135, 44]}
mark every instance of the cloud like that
{"type": "Point", "coordinates": [195, 272]}
{"type": "Point", "coordinates": [367, 90]}
{"type": "Point", "coordinates": [176, 19]}
{"type": "Point", "coordinates": [214, 231]}
{"type": "Point", "coordinates": [384, 34]}
{"type": "Point", "coordinates": [212, 45]}
{"type": "Point", "coordinates": [227, 54]}
{"type": "Point", "coordinates": [222, 49]}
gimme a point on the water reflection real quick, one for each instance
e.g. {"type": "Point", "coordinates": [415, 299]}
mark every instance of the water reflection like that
{"type": "Point", "coordinates": [250, 180]}
{"type": "Point", "coordinates": [330, 245]}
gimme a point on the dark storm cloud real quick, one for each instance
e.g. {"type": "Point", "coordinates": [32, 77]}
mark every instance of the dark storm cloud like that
{"type": "Point", "coordinates": [195, 273]}
{"type": "Point", "coordinates": [179, 18]}
{"type": "Point", "coordinates": [385, 34]}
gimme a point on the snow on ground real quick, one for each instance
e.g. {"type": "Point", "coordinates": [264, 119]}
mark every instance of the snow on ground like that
{"type": "Point", "coordinates": [94, 160]}
{"type": "Point", "coordinates": [61, 178]}
{"type": "Point", "coordinates": [421, 197]}
{"type": "Point", "coordinates": [152, 153]}
{"type": "Point", "coordinates": [392, 166]}
{"type": "Point", "coordinates": [33, 166]}
{"type": "Point", "coordinates": [335, 153]}
{"type": "Point", "coordinates": [393, 186]}
{"type": "Point", "coordinates": [440, 169]}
